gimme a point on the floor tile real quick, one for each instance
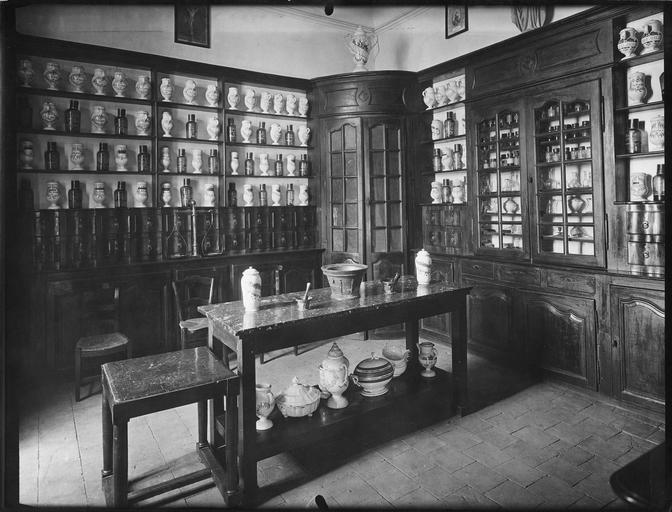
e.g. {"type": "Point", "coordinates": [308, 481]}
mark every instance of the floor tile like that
{"type": "Point", "coordinates": [519, 472]}
{"type": "Point", "coordinates": [412, 462]}
{"type": "Point", "coordinates": [564, 470]}
{"type": "Point", "coordinates": [393, 484]}
{"type": "Point", "coordinates": [467, 498]}
{"type": "Point", "coordinates": [512, 496]}
{"type": "Point", "coordinates": [450, 459]}
{"type": "Point", "coordinates": [535, 437]}
{"type": "Point", "coordinates": [555, 491]}
{"type": "Point", "coordinates": [488, 455]}
{"type": "Point", "coordinates": [440, 482]}
{"type": "Point", "coordinates": [479, 477]}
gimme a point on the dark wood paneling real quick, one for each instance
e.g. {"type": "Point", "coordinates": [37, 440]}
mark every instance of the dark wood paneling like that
{"type": "Point", "coordinates": [569, 281]}
{"type": "Point", "coordinates": [518, 275]}
{"type": "Point", "coordinates": [439, 325]}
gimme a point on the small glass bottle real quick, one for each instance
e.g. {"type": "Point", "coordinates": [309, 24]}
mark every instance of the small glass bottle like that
{"type": "Point", "coordinates": [230, 131]}
{"type": "Point", "coordinates": [304, 166]}
{"type": "Point", "coordinates": [633, 138]}
{"type": "Point", "coordinates": [446, 192]}
{"type": "Point", "coordinates": [449, 125]}
{"type": "Point", "coordinates": [143, 159]}
{"type": "Point", "coordinates": [73, 117]}
{"type": "Point", "coordinates": [25, 114]}
{"type": "Point", "coordinates": [186, 193]}
{"type": "Point", "coordinates": [102, 158]}
{"type": "Point", "coordinates": [75, 195]}
{"type": "Point", "coordinates": [457, 156]}
{"type": "Point", "coordinates": [181, 161]}
{"type": "Point", "coordinates": [278, 165]}
{"type": "Point", "coordinates": [290, 195]}
{"type": "Point", "coordinates": [658, 183]}
{"type": "Point", "coordinates": [121, 122]}
{"type": "Point", "coordinates": [249, 165]}
{"type": "Point", "coordinates": [213, 162]}
{"type": "Point", "coordinates": [289, 136]}
{"type": "Point", "coordinates": [263, 200]}
{"type": "Point", "coordinates": [232, 195]}
{"type": "Point", "coordinates": [192, 128]}
{"type": "Point", "coordinates": [261, 133]}
{"type": "Point", "coordinates": [436, 160]}
{"type": "Point", "coordinates": [120, 197]}
{"type": "Point", "coordinates": [51, 157]}
{"type": "Point", "coordinates": [26, 196]}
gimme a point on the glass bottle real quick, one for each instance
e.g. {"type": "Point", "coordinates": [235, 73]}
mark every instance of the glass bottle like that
{"type": "Point", "coordinates": [633, 138]}
{"type": "Point", "coordinates": [249, 165]}
{"type": "Point", "coordinates": [446, 192]}
{"type": "Point", "coordinates": [73, 117]}
{"type": "Point", "coordinates": [232, 195]}
{"type": "Point", "coordinates": [213, 162]}
{"type": "Point", "coordinates": [263, 200]}
{"type": "Point", "coordinates": [449, 125]}
{"type": "Point", "coordinates": [290, 195]}
{"type": "Point", "coordinates": [457, 156]}
{"type": "Point", "coordinates": [658, 183]}
{"type": "Point", "coordinates": [121, 122]}
{"type": "Point", "coordinates": [143, 159]}
{"type": "Point", "coordinates": [186, 193]}
{"type": "Point", "coordinates": [261, 133]}
{"type": "Point", "coordinates": [71, 195]}
{"type": "Point", "coordinates": [436, 160]}
{"type": "Point", "coordinates": [278, 165]}
{"type": "Point", "coordinates": [75, 195]}
{"type": "Point", "coordinates": [26, 197]}
{"type": "Point", "coordinates": [181, 161]}
{"type": "Point", "coordinates": [103, 158]}
{"type": "Point", "coordinates": [51, 157]}
{"type": "Point", "coordinates": [120, 197]}
{"type": "Point", "coordinates": [231, 131]}
{"type": "Point", "coordinates": [289, 136]}
{"type": "Point", "coordinates": [192, 128]}
{"type": "Point", "coordinates": [25, 113]}
{"type": "Point", "coordinates": [304, 166]}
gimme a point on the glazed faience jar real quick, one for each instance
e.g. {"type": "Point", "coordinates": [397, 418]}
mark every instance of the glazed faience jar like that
{"type": "Point", "coordinates": [637, 91]}
{"type": "Point", "coordinates": [166, 123]}
{"type": "Point", "coordinates": [142, 122]}
{"type": "Point", "coordinates": [233, 97]}
{"type": "Point", "coordinates": [53, 195]}
{"type": "Point", "coordinates": [657, 134]}
{"type": "Point", "coordinates": [435, 192]}
{"type": "Point", "coordinates": [304, 195]}
{"type": "Point", "coordinates": [437, 129]}
{"type": "Point", "coordinates": [373, 375]}
{"type": "Point", "coordinates": [458, 191]}
{"type": "Point", "coordinates": [121, 157]}
{"type": "Point", "coordinates": [640, 186]}
{"type": "Point", "coordinates": [263, 164]}
{"type": "Point", "coordinates": [99, 81]}
{"type": "Point", "coordinates": [49, 115]}
{"type": "Point", "coordinates": [440, 95]}
{"type": "Point", "coordinates": [652, 37]}
{"type": "Point", "coordinates": [197, 160]}
{"type": "Point", "coordinates": [447, 162]}
{"type": "Point", "coordinates": [213, 127]}
{"type": "Point", "coordinates": [250, 99]}
{"type": "Point", "coordinates": [141, 194]}
{"type": "Point", "coordinates": [143, 87]}
{"type": "Point", "coordinates": [248, 195]}
{"type": "Point", "coordinates": [209, 196]}
{"type": "Point", "coordinates": [27, 155]}
{"type": "Point", "coordinates": [429, 98]}
{"type": "Point", "coordinates": [298, 400]}
{"type": "Point", "coordinates": [212, 95]}
{"type": "Point", "coordinates": [291, 165]}
{"type": "Point", "coordinates": [98, 119]}
{"type": "Point", "coordinates": [334, 372]}
{"type": "Point", "coordinates": [278, 103]}
{"type": "Point", "coordinates": [360, 44]}
{"type": "Point", "coordinates": [275, 133]}
{"type": "Point", "coordinates": [451, 91]}
{"type": "Point", "coordinates": [265, 402]}
{"type": "Point", "coordinates": [427, 355]}
{"type": "Point", "coordinates": [304, 135]}
{"type": "Point", "coordinates": [250, 289]}
{"type": "Point", "coordinates": [265, 102]}
{"type": "Point", "coordinates": [234, 163]}
{"type": "Point", "coordinates": [76, 157]}
{"type": "Point", "coordinates": [52, 75]}
{"type": "Point", "coordinates": [166, 194]}
{"type": "Point", "coordinates": [26, 72]}
{"type": "Point", "coordinates": [291, 104]}
{"type": "Point", "coordinates": [304, 106]}
{"type": "Point", "coordinates": [166, 89]}
{"type": "Point", "coordinates": [276, 196]}
{"type": "Point", "coordinates": [77, 77]}
{"type": "Point", "coordinates": [119, 84]}
{"type": "Point", "coordinates": [189, 91]}
{"type": "Point", "coordinates": [423, 267]}
{"type": "Point", "coordinates": [246, 130]}
{"type": "Point", "coordinates": [98, 194]}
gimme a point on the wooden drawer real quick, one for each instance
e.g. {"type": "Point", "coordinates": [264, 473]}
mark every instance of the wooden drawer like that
{"type": "Point", "coordinates": [569, 281]}
{"type": "Point", "coordinates": [519, 275]}
{"type": "Point", "coordinates": [478, 268]}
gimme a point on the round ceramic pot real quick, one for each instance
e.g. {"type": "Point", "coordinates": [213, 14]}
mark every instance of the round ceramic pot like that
{"type": "Point", "coordinates": [213, 127]}
{"type": "Point", "coordinates": [334, 377]}
{"type": "Point", "coordinates": [49, 115]}
{"type": "Point", "coordinates": [142, 122]}
{"type": "Point", "coordinates": [233, 97]}
{"type": "Point", "coordinates": [99, 81]}
{"type": "Point", "coordinates": [429, 97]}
{"type": "Point", "coordinates": [278, 103]}
{"type": "Point", "coordinates": [304, 106]}
{"type": "Point", "coordinates": [77, 77]}
{"type": "Point", "coordinates": [398, 358]}
{"type": "Point", "coordinates": [250, 100]}
{"type": "Point", "coordinates": [265, 403]}
{"type": "Point", "coordinates": [189, 92]}
{"type": "Point", "coordinates": [141, 194]}
{"type": "Point", "coordinates": [98, 119]}
{"type": "Point", "coordinates": [166, 123]}
{"type": "Point", "coordinates": [250, 287]}
{"type": "Point", "coordinates": [373, 375]}
{"type": "Point", "coordinates": [166, 194]}
{"type": "Point", "coordinates": [53, 195]}
{"type": "Point", "coordinates": [423, 267]}
{"type": "Point", "coordinates": [76, 157]}
{"type": "Point", "coordinates": [209, 197]}
{"type": "Point", "coordinates": [212, 95]}
{"type": "Point", "coordinates": [98, 194]}
{"type": "Point", "coordinates": [26, 72]}
{"type": "Point", "coordinates": [143, 87]}
{"type": "Point", "coordinates": [657, 133]}
{"type": "Point", "coordinates": [119, 84]}
{"type": "Point", "coordinates": [628, 42]}
{"type": "Point", "coordinates": [637, 90]}
{"type": "Point", "coordinates": [298, 400]}
{"type": "Point", "coordinates": [52, 75]}
{"type": "Point", "coordinates": [166, 89]}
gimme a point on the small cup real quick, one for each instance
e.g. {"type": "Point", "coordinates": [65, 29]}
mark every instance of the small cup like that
{"type": "Point", "coordinates": [303, 304]}
{"type": "Point", "coordinates": [388, 286]}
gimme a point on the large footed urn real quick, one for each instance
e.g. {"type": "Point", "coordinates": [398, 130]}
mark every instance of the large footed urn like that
{"type": "Point", "coordinates": [334, 377]}
{"type": "Point", "coordinates": [49, 115]}
{"type": "Point", "coordinates": [119, 83]}
{"type": "Point", "coordinates": [77, 77]}
{"type": "Point", "coordinates": [361, 43]}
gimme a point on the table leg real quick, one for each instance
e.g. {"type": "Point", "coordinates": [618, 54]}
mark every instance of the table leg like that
{"type": "Point", "coordinates": [107, 431]}
{"type": "Point", "coordinates": [247, 414]}
{"type": "Point", "coordinates": [202, 424]}
{"type": "Point", "coordinates": [231, 434]}
{"type": "Point", "coordinates": [412, 338]}
{"type": "Point", "coordinates": [458, 336]}
{"type": "Point", "coordinates": [120, 465]}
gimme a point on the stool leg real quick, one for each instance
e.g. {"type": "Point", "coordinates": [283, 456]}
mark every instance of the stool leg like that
{"type": "Point", "coordinates": [78, 372]}
{"type": "Point", "coordinates": [231, 449]}
{"type": "Point", "coordinates": [120, 465]}
{"type": "Point", "coordinates": [107, 436]}
{"type": "Point", "coordinates": [202, 424]}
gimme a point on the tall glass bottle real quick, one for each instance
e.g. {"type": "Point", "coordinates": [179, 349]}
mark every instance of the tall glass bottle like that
{"type": "Point", "coordinates": [51, 157]}
{"type": "Point", "coordinates": [261, 133]}
{"type": "Point", "coordinates": [73, 117]}
{"type": "Point", "coordinates": [75, 195]}
{"type": "Point", "coordinates": [658, 183]}
{"type": "Point", "coordinates": [103, 158]}
{"type": "Point", "coordinates": [290, 195]}
{"type": "Point", "coordinates": [633, 138]}
{"type": "Point", "coordinates": [449, 125]}
{"type": "Point", "coordinates": [249, 165]}
{"type": "Point", "coordinates": [121, 122]}
{"type": "Point", "coordinates": [263, 197]}
{"type": "Point", "coordinates": [278, 165]}
{"type": "Point", "coordinates": [120, 197]}
{"type": "Point", "coordinates": [192, 127]}
{"type": "Point", "coordinates": [304, 166]}
{"type": "Point", "coordinates": [181, 161]}
{"type": "Point", "coordinates": [436, 160]}
{"type": "Point", "coordinates": [232, 195]}
{"type": "Point", "coordinates": [230, 131]}
{"type": "Point", "coordinates": [143, 159]}
{"type": "Point", "coordinates": [186, 193]}
{"type": "Point", "coordinates": [213, 162]}
{"type": "Point", "coordinates": [289, 136]}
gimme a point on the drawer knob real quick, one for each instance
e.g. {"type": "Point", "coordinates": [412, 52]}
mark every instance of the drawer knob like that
{"type": "Point", "coordinates": [646, 254]}
{"type": "Point", "coordinates": [477, 267]}
{"type": "Point", "coordinates": [645, 224]}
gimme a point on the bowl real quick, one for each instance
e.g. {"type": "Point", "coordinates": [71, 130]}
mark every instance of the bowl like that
{"type": "Point", "coordinates": [373, 375]}
{"type": "Point", "coordinates": [298, 400]}
{"type": "Point", "coordinates": [344, 279]}
{"type": "Point", "coordinates": [398, 357]}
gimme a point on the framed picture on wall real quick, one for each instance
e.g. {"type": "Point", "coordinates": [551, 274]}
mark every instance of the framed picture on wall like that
{"type": "Point", "coordinates": [456, 19]}
{"type": "Point", "coordinates": [192, 24]}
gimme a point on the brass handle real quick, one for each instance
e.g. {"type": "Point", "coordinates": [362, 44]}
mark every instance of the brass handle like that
{"type": "Point", "coordinates": [645, 224]}
{"type": "Point", "coordinates": [646, 254]}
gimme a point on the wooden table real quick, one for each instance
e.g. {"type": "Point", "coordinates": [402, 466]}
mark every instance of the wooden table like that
{"type": "Point", "coordinates": [279, 324]}
{"type": "Point", "coordinates": [644, 483]}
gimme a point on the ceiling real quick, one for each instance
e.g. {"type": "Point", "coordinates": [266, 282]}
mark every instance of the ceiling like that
{"type": "Point", "coordinates": [377, 18]}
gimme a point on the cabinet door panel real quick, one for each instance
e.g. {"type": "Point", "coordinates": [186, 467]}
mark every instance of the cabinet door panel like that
{"type": "Point", "coordinates": [440, 324]}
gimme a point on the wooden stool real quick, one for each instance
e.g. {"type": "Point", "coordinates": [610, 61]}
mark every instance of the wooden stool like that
{"type": "Point", "coordinates": [144, 385]}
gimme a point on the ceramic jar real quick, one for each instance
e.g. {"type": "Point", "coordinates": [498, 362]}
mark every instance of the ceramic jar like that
{"type": "Point", "coordinates": [291, 104]}
{"type": "Point", "coordinates": [303, 106]}
{"type": "Point", "coordinates": [142, 122]}
{"type": "Point", "coordinates": [52, 75]}
{"type": "Point", "coordinates": [275, 133]}
{"type": "Point", "coordinates": [121, 157]}
{"type": "Point", "coordinates": [166, 89]}
{"type": "Point", "coordinates": [458, 191]}
{"type": "Point", "coordinates": [246, 130]}
{"type": "Point", "coordinates": [212, 95]}
{"type": "Point", "coordinates": [429, 98]}
{"type": "Point", "coordinates": [291, 165]}
{"type": "Point", "coordinates": [437, 129]}
{"type": "Point", "coordinates": [53, 195]}
{"type": "Point", "coordinates": [26, 156]}
{"type": "Point", "coordinates": [248, 195]}
{"type": "Point", "coordinates": [98, 194]}
{"type": "Point", "coordinates": [119, 84]}
{"type": "Point", "coordinates": [250, 99]}
{"type": "Point", "coordinates": [143, 87]}
{"type": "Point", "coordinates": [197, 160]}
{"type": "Point", "coordinates": [166, 123]}
{"type": "Point", "coordinates": [209, 196]}
{"type": "Point", "coordinates": [76, 156]}
{"type": "Point", "coordinates": [459, 88]}
{"type": "Point", "coordinates": [250, 288]}
{"type": "Point", "coordinates": [447, 162]}
{"type": "Point", "coordinates": [440, 95]}
{"type": "Point", "coordinates": [652, 36]}
{"type": "Point", "coordinates": [298, 400]}
{"type": "Point", "coordinates": [189, 92]}
{"type": "Point", "coordinates": [265, 101]}
{"type": "Point", "coordinates": [276, 196]}
{"type": "Point", "coordinates": [99, 81]}
{"type": "Point", "coordinates": [304, 135]}
{"type": "Point", "coordinates": [427, 355]}
{"type": "Point", "coordinates": [304, 196]}
{"type": "Point", "coordinates": [637, 91]}
{"type": "Point", "coordinates": [640, 186]}
{"type": "Point", "coordinates": [334, 371]}
{"type": "Point", "coordinates": [657, 134]}
{"type": "Point", "coordinates": [49, 115]}
{"type": "Point", "coordinates": [373, 375]}
{"type": "Point", "coordinates": [26, 72]}
{"type": "Point", "coordinates": [265, 402]}
{"type": "Point", "coordinates": [435, 192]}
{"type": "Point", "coordinates": [233, 97]}
{"type": "Point", "coordinates": [141, 194]}
{"type": "Point", "coordinates": [263, 164]}
{"type": "Point", "coordinates": [235, 163]}
{"type": "Point", "coordinates": [213, 127]}
{"type": "Point", "coordinates": [398, 357]}
{"type": "Point", "coordinates": [423, 267]}
{"type": "Point", "coordinates": [77, 77]}
{"type": "Point", "coordinates": [98, 119]}
{"type": "Point", "coordinates": [451, 92]}
{"type": "Point", "coordinates": [360, 44]}
{"type": "Point", "coordinates": [166, 194]}
{"type": "Point", "coordinates": [278, 103]}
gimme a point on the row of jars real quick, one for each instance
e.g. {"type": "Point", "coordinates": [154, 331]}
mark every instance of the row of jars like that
{"type": "Point", "coordinates": [651, 39]}
{"type": "Point", "coordinates": [262, 198]}
{"type": "Point", "coordinates": [555, 128]}
{"type": "Point", "coordinates": [450, 127]}
{"type": "Point", "coordinates": [569, 109]}
{"type": "Point", "coordinates": [98, 196]}
{"type": "Point", "coordinates": [506, 159]}
{"type": "Point", "coordinates": [488, 183]}
{"type": "Point", "coordinates": [449, 159]}
{"type": "Point", "coordinates": [577, 178]}
{"type": "Point", "coordinates": [264, 165]}
{"type": "Point", "coordinates": [444, 94]}
{"type": "Point", "coordinates": [552, 154]}
{"type": "Point", "coordinates": [448, 191]}
{"type": "Point", "coordinates": [269, 103]}
{"type": "Point", "coordinates": [275, 132]}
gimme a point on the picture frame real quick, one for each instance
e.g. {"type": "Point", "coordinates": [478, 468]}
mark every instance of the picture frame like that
{"type": "Point", "coordinates": [192, 24]}
{"type": "Point", "coordinates": [456, 19]}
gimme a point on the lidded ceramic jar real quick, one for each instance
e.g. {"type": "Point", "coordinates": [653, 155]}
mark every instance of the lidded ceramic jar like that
{"type": "Point", "coordinates": [98, 194]}
{"type": "Point", "coordinates": [628, 42]}
{"type": "Point", "coordinates": [52, 75]}
{"type": "Point", "coordinates": [373, 375]}
{"type": "Point", "coordinates": [99, 81]}
{"type": "Point", "coordinates": [141, 194]}
{"type": "Point", "coordinates": [166, 123]}
{"type": "Point", "coordinates": [291, 104]}
{"type": "Point", "coordinates": [652, 36]}
{"type": "Point", "coordinates": [142, 122]}
{"type": "Point", "coordinates": [77, 77]}
{"type": "Point", "coordinates": [250, 99]}
{"type": "Point", "coordinates": [334, 372]}
{"type": "Point", "coordinates": [213, 127]}
{"type": "Point", "coordinates": [637, 90]}
{"type": "Point", "coordinates": [166, 88]}
{"type": "Point", "coordinates": [423, 267]}
{"type": "Point", "coordinates": [212, 95]}
{"type": "Point", "coordinates": [189, 91]}
{"type": "Point", "coordinates": [120, 157]}
{"type": "Point", "coordinates": [233, 97]}
{"type": "Point", "coordinates": [98, 119]}
{"type": "Point", "coordinates": [265, 101]}
{"type": "Point", "coordinates": [53, 195]}
{"type": "Point", "coordinates": [197, 160]}
{"type": "Point", "coordinates": [263, 164]}
{"type": "Point", "coordinates": [246, 130]}
{"type": "Point", "coordinates": [298, 400]}
{"type": "Point", "coordinates": [250, 288]}
{"type": "Point", "coordinates": [76, 156]}
{"type": "Point", "coordinates": [143, 87]}
{"type": "Point", "coordinates": [26, 72]}
{"type": "Point", "coordinates": [278, 103]}
{"type": "Point", "coordinates": [119, 83]}
{"type": "Point", "coordinates": [209, 197]}
{"type": "Point", "coordinates": [657, 133]}
{"type": "Point", "coordinates": [275, 132]}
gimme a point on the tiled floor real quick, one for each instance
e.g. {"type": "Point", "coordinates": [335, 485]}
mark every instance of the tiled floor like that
{"type": "Point", "coordinates": [528, 445]}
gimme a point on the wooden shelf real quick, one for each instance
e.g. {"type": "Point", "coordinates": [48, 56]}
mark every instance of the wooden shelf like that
{"type": "Point", "coordinates": [61, 133]}
{"type": "Point", "coordinates": [649, 154]}
{"type": "Point", "coordinates": [444, 108]}
{"type": "Point", "coordinates": [268, 115]}
{"type": "Point", "coordinates": [83, 96]}
{"type": "Point", "coordinates": [272, 146]}
{"type": "Point", "coordinates": [86, 171]}
{"type": "Point", "coordinates": [654, 105]}
{"type": "Point", "coordinates": [282, 177]}
{"type": "Point", "coordinates": [640, 59]}
{"type": "Point", "coordinates": [185, 106]}
{"type": "Point", "coordinates": [185, 139]}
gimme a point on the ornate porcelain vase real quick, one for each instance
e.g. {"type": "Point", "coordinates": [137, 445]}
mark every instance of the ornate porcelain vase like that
{"type": "Point", "coordinates": [427, 355]}
{"type": "Point", "coordinates": [98, 119]}
{"type": "Point", "coordinates": [276, 196]}
{"type": "Point", "coordinates": [213, 127]}
{"type": "Point", "coordinates": [278, 103]}
{"type": "Point", "coordinates": [209, 196]}
{"type": "Point", "coordinates": [265, 101]}
{"type": "Point", "coordinates": [657, 134]}
{"type": "Point", "coordinates": [166, 88]}
{"type": "Point", "coordinates": [435, 192]}
{"type": "Point", "coordinates": [212, 95]}
{"type": "Point", "coordinates": [77, 77]}
{"type": "Point", "coordinates": [304, 195]}
{"type": "Point", "coordinates": [360, 44]}
{"type": "Point", "coordinates": [263, 164]}
{"type": "Point", "coordinates": [27, 155]}
{"type": "Point", "coordinates": [142, 122]}
{"type": "Point", "coordinates": [119, 84]}
{"type": "Point", "coordinates": [143, 87]}
{"type": "Point", "coordinates": [197, 160]}
{"type": "Point", "coordinates": [291, 104]}
{"type": "Point", "coordinates": [246, 130]}
{"type": "Point", "coordinates": [49, 115]}
{"type": "Point", "coordinates": [334, 371]}
{"type": "Point", "coordinates": [423, 267]}
{"type": "Point", "coordinates": [120, 157]}
{"type": "Point", "coordinates": [440, 95]}
{"type": "Point", "coordinates": [165, 159]}
{"type": "Point", "coordinates": [166, 123]}
{"type": "Point", "coordinates": [652, 37]}
{"type": "Point", "coordinates": [189, 92]}
{"type": "Point", "coordinates": [248, 195]}
{"type": "Point", "coordinates": [26, 72]}
{"type": "Point", "coordinates": [437, 129]}
{"type": "Point", "coordinates": [99, 81]}
{"type": "Point", "coordinates": [637, 91]}
{"type": "Point", "coordinates": [304, 106]}
{"type": "Point", "coordinates": [275, 132]}
{"type": "Point", "coordinates": [250, 99]}
{"type": "Point", "coordinates": [429, 98]}
{"type": "Point", "coordinates": [166, 194]}
{"type": "Point", "coordinates": [76, 156]}
{"type": "Point", "coordinates": [451, 92]}
{"type": "Point", "coordinates": [53, 195]}
{"type": "Point", "coordinates": [233, 97]}
{"type": "Point", "coordinates": [304, 135]}
{"type": "Point", "coordinates": [141, 194]}
{"type": "Point", "coordinates": [265, 402]}
{"type": "Point", "coordinates": [98, 194]}
{"type": "Point", "coordinates": [291, 165]}
{"type": "Point", "coordinates": [235, 163]}
{"type": "Point", "coordinates": [52, 75]}
{"type": "Point", "coordinates": [250, 288]}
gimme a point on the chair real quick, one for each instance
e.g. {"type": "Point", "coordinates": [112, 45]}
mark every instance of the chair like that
{"type": "Point", "coordinates": [100, 313]}
{"type": "Point", "coordinates": [189, 293]}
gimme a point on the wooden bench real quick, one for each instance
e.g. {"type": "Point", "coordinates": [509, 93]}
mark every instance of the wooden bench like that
{"type": "Point", "coordinates": [135, 387]}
